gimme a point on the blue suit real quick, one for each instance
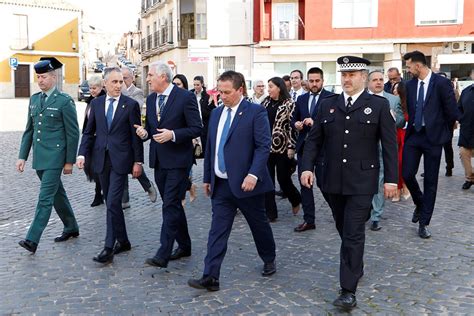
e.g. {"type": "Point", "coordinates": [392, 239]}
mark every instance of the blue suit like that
{"type": "Point", "coordinates": [246, 151]}
{"type": "Point", "coordinates": [114, 152]}
{"type": "Point", "coordinates": [171, 161]}
{"type": "Point", "coordinates": [302, 112]}
{"type": "Point", "coordinates": [439, 115]}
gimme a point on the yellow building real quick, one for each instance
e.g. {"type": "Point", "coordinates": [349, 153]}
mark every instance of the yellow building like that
{"type": "Point", "coordinates": [32, 29]}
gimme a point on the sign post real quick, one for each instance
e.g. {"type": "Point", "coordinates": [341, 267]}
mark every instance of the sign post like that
{"type": "Point", "coordinates": [13, 63]}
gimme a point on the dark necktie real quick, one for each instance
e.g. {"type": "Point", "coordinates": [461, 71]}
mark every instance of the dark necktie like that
{"type": "Point", "coordinates": [161, 102]}
{"type": "Point", "coordinates": [419, 107]}
{"type": "Point", "coordinates": [220, 151]}
{"type": "Point", "coordinates": [313, 103]}
{"type": "Point", "coordinates": [110, 112]}
{"type": "Point", "coordinates": [43, 99]}
{"type": "Point", "coordinates": [349, 102]}
{"type": "Point", "coordinates": [294, 96]}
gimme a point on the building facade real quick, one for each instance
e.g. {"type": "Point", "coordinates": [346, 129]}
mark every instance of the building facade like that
{"type": "Point", "coordinates": [32, 29]}
{"type": "Point", "coordinates": [198, 37]}
{"type": "Point", "coordinates": [299, 34]}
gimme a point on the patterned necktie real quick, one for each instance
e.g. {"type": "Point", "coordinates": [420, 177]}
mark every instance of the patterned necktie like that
{"type": "Point", "coordinates": [294, 96]}
{"type": "Point", "coordinates": [110, 112]}
{"type": "Point", "coordinates": [161, 102]}
{"type": "Point", "coordinates": [43, 99]}
{"type": "Point", "coordinates": [349, 102]}
{"type": "Point", "coordinates": [313, 103]}
{"type": "Point", "coordinates": [419, 107]}
{"type": "Point", "coordinates": [220, 151]}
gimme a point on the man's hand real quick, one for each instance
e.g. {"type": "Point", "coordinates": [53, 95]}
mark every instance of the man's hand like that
{"type": "Point", "coordinates": [307, 179]}
{"type": "Point", "coordinates": [164, 135]}
{"type": "Point", "coordinates": [389, 190]}
{"type": "Point", "coordinates": [291, 153]}
{"type": "Point", "coordinates": [141, 132]}
{"type": "Point", "coordinates": [207, 189]}
{"type": "Point", "coordinates": [80, 163]}
{"type": "Point", "coordinates": [249, 183]}
{"type": "Point", "coordinates": [67, 168]}
{"type": "Point", "coordinates": [299, 125]}
{"type": "Point", "coordinates": [20, 165]}
{"type": "Point", "coordinates": [137, 170]}
{"type": "Point", "coordinates": [308, 121]}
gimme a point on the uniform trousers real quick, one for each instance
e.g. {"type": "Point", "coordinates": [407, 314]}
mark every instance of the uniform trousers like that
{"type": "Point", "coordinates": [378, 202]}
{"type": "Point", "coordinates": [51, 194]}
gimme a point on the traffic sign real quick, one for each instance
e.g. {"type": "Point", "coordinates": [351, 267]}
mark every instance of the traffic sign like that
{"type": "Point", "coordinates": [13, 62]}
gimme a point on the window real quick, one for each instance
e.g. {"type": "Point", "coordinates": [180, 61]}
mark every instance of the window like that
{"type": "Point", "coordinates": [222, 64]}
{"type": "Point", "coordinates": [434, 12]}
{"type": "Point", "coordinates": [354, 13]}
{"type": "Point", "coordinates": [201, 26]}
{"type": "Point", "coordinates": [20, 32]}
{"type": "Point", "coordinates": [285, 21]}
{"type": "Point", "coordinates": [282, 69]}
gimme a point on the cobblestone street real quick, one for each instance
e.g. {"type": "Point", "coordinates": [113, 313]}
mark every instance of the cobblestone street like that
{"type": "Point", "coordinates": [403, 273]}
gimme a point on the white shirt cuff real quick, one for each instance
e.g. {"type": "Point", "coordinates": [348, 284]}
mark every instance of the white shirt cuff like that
{"type": "Point", "coordinates": [80, 157]}
{"type": "Point", "coordinates": [174, 137]}
{"type": "Point", "coordinates": [393, 184]}
{"type": "Point", "coordinates": [253, 176]}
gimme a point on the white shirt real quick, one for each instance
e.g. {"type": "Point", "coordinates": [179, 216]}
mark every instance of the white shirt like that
{"type": "Point", "coordinates": [425, 86]}
{"type": "Point", "coordinates": [220, 127]}
{"type": "Point", "coordinates": [107, 102]}
{"type": "Point", "coordinates": [198, 99]}
{"type": "Point", "coordinates": [354, 97]}
{"type": "Point", "coordinates": [299, 92]}
{"type": "Point", "coordinates": [166, 93]}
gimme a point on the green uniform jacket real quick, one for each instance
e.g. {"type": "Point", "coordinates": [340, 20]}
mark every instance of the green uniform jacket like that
{"type": "Point", "coordinates": [52, 130]}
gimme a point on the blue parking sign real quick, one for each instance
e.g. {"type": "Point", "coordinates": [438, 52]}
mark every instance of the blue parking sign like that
{"type": "Point", "coordinates": [13, 62]}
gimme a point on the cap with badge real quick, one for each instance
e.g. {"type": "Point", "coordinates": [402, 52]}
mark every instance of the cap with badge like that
{"type": "Point", "coordinates": [47, 64]}
{"type": "Point", "coordinates": [352, 63]}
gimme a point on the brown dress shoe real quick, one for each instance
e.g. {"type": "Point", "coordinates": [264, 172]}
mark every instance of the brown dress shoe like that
{"type": "Point", "coordinates": [305, 226]}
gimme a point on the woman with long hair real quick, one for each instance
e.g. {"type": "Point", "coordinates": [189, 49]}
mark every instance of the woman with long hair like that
{"type": "Point", "coordinates": [280, 107]}
{"type": "Point", "coordinates": [399, 90]}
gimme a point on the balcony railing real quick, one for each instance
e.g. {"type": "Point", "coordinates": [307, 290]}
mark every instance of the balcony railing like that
{"type": "Point", "coordinates": [149, 42]}
{"type": "Point", "coordinates": [156, 38]}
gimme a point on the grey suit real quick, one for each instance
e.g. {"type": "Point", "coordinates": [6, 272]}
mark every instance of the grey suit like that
{"type": "Point", "coordinates": [136, 94]}
{"type": "Point", "coordinates": [378, 202]}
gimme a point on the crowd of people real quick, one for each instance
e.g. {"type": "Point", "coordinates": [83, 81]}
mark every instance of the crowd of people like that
{"type": "Point", "coordinates": [360, 147]}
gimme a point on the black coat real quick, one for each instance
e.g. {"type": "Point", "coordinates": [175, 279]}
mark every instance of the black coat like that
{"type": "Point", "coordinates": [350, 141]}
{"type": "Point", "coordinates": [466, 107]}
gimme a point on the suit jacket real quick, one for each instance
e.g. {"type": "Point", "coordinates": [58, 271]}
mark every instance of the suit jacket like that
{"type": "Point", "coordinates": [350, 140]}
{"type": "Point", "coordinates": [396, 108]}
{"type": "Point", "coordinates": [302, 112]}
{"type": "Point", "coordinates": [283, 136]}
{"type": "Point", "coordinates": [181, 115]}
{"type": "Point", "coordinates": [136, 94]}
{"type": "Point", "coordinates": [88, 107]}
{"type": "Point", "coordinates": [246, 150]}
{"type": "Point", "coordinates": [52, 131]}
{"type": "Point", "coordinates": [121, 141]}
{"type": "Point", "coordinates": [466, 106]}
{"type": "Point", "coordinates": [439, 111]}
{"type": "Point", "coordinates": [206, 109]}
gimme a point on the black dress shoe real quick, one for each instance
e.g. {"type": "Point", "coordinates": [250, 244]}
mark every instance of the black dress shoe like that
{"type": "Point", "coordinates": [416, 215]}
{"type": "Point", "coordinates": [28, 245]}
{"type": "Point", "coordinates": [281, 194]}
{"type": "Point", "coordinates": [98, 200]}
{"type": "Point", "coordinates": [65, 236]}
{"type": "Point", "coordinates": [449, 173]}
{"type": "Point", "coordinates": [345, 300]}
{"type": "Point", "coordinates": [269, 268]}
{"type": "Point", "coordinates": [157, 262]}
{"type": "Point", "coordinates": [467, 185]}
{"type": "Point", "coordinates": [375, 226]}
{"type": "Point", "coordinates": [122, 247]}
{"type": "Point", "coordinates": [423, 232]}
{"type": "Point", "coordinates": [180, 253]}
{"type": "Point", "coordinates": [305, 226]}
{"type": "Point", "coordinates": [106, 256]}
{"type": "Point", "coordinates": [209, 283]}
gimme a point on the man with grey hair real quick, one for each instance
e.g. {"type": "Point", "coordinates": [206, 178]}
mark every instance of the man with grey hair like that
{"type": "Point", "coordinates": [172, 122]}
{"type": "Point", "coordinates": [130, 90]}
{"type": "Point", "coordinates": [258, 91]}
{"type": "Point", "coordinates": [116, 152]}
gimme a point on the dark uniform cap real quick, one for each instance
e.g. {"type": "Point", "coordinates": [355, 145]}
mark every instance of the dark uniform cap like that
{"type": "Point", "coordinates": [47, 64]}
{"type": "Point", "coordinates": [352, 63]}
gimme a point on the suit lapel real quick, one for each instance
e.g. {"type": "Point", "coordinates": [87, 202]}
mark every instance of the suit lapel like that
{"type": "Point", "coordinates": [214, 125]}
{"type": "Point", "coordinates": [341, 103]}
{"type": "Point", "coordinates": [118, 112]}
{"type": "Point", "coordinates": [151, 108]}
{"type": "Point", "coordinates": [361, 101]}
{"type": "Point", "coordinates": [169, 103]}
{"type": "Point", "coordinates": [238, 114]}
{"type": "Point", "coordinates": [430, 89]}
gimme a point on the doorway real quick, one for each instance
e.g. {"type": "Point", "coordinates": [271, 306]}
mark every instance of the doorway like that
{"type": "Point", "coordinates": [22, 81]}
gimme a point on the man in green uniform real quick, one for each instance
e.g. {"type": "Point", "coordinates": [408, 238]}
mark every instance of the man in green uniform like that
{"type": "Point", "coordinates": [53, 132]}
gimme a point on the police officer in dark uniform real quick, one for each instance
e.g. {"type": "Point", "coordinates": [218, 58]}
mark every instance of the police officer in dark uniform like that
{"type": "Point", "coordinates": [348, 128]}
{"type": "Point", "coordinates": [53, 132]}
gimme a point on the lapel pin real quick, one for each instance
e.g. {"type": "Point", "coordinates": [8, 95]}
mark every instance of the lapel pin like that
{"type": "Point", "coordinates": [331, 110]}
{"type": "Point", "coordinates": [240, 113]}
{"type": "Point", "coordinates": [123, 106]}
{"type": "Point", "coordinates": [367, 111]}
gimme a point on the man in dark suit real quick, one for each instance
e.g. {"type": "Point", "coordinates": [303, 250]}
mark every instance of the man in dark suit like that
{"type": "Point", "coordinates": [432, 112]}
{"type": "Point", "coordinates": [348, 128]}
{"type": "Point", "coordinates": [172, 121]}
{"type": "Point", "coordinates": [302, 121]}
{"type": "Point", "coordinates": [394, 76]}
{"type": "Point", "coordinates": [236, 129]}
{"type": "Point", "coordinates": [116, 152]}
